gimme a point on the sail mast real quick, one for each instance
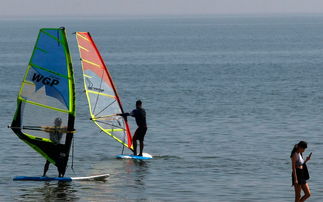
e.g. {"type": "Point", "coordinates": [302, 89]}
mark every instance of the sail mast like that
{"type": "Point", "coordinates": [71, 115]}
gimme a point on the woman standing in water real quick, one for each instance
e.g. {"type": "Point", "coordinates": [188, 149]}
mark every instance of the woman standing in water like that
{"type": "Point", "coordinates": [299, 172]}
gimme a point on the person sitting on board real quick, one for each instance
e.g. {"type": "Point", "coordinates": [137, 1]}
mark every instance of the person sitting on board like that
{"type": "Point", "coordinates": [55, 135]}
{"type": "Point", "coordinates": [140, 115]}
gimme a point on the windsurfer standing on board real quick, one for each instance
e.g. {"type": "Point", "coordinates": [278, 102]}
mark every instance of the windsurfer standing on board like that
{"type": "Point", "coordinates": [55, 135]}
{"type": "Point", "coordinates": [140, 115]}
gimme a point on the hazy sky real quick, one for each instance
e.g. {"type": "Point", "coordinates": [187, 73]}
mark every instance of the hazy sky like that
{"type": "Point", "coordinates": [21, 8]}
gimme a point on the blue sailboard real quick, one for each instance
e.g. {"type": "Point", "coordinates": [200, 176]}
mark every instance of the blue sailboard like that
{"type": "Point", "coordinates": [27, 178]}
{"type": "Point", "coordinates": [101, 177]}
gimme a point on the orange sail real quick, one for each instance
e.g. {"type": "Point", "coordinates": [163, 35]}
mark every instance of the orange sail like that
{"type": "Point", "coordinates": [104, 102]}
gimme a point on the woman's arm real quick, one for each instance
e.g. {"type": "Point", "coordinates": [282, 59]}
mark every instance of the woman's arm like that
{"type": "Point", "coordinates": [294, 168]}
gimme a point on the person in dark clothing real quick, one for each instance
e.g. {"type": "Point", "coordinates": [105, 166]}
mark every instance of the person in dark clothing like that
{"type": "Point", "coordinates": [140, 115]}
{"type": "Point", "coordinates": [55, 135]}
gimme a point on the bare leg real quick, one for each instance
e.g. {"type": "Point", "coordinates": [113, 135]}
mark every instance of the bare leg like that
{"type": "Point", "coordinates": [46, 168]}
{"type": "Point", "coordinates": [306, 190]}
{"type": "Point", "coordinates": [141, 147]}
{"type": "Point", "coordinates": [298, 190]}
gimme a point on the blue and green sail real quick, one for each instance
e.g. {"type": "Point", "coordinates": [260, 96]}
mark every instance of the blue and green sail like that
{"type": "Point", "coordinates": [47, 93]}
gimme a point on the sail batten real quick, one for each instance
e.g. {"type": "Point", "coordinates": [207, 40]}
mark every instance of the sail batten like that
{"type": "Point", "coordinates": [50, 71]}
{"type": "Point", "coordinates": [42, 105]}
{"type": "Point", "coordinates": [103, 100]}
{"type": "Point", "coordinates": [47, 97]}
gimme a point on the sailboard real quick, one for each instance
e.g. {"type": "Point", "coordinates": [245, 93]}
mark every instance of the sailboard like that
{"type": "Point", "coordinates": [47, 95]}
{"type": "Point", "coordinates": [65, 179]}
{"type": "Point", "coordinates": [103, 99]}
{"type": "Point", "coordinates": [145, 156]}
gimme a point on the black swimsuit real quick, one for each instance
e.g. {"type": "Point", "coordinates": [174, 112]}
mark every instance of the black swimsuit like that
{"type": "Point", "coordinates": [140, 116]}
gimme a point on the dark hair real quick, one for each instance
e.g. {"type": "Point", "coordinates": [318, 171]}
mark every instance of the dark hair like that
{"type": "Point", "coordinates": [58, 121]}
{"type": "Point", "coordinates": [301, 144]}
{"type": "Point", "coordinates": [138, 102]}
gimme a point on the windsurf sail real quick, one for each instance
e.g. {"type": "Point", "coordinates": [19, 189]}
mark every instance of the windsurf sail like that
{"type": "Point", "coordinates": [104, 102]}
{"type": "Point", "coordinates": [45, 113]}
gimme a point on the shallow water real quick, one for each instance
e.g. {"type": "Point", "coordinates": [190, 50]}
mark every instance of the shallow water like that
{"type": "Point", "coordinates": [227, 97]}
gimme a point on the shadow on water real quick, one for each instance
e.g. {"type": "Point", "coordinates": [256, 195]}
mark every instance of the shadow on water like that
{"type": "Point", "coordinates": [136, 166]}
{"type": "Point", "coordinates": [61, 191]}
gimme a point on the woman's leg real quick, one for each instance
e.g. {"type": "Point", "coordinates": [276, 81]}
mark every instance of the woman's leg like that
{"type": "Point", "coordinates": [306, 190]}
{"type": "Point", "coordinates": [298, 190]}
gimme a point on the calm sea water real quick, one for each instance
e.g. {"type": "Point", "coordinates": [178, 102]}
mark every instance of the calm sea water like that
{"type": "Point", "coordinates": [227, 97]}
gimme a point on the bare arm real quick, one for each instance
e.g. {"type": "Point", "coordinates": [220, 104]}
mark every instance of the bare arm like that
{"type": "Point", "coordinates": [294, 168]}
{"type": "Point", "coordinates": [47, 128]}
{"type": "Point", "coordinates": [52, 129]}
